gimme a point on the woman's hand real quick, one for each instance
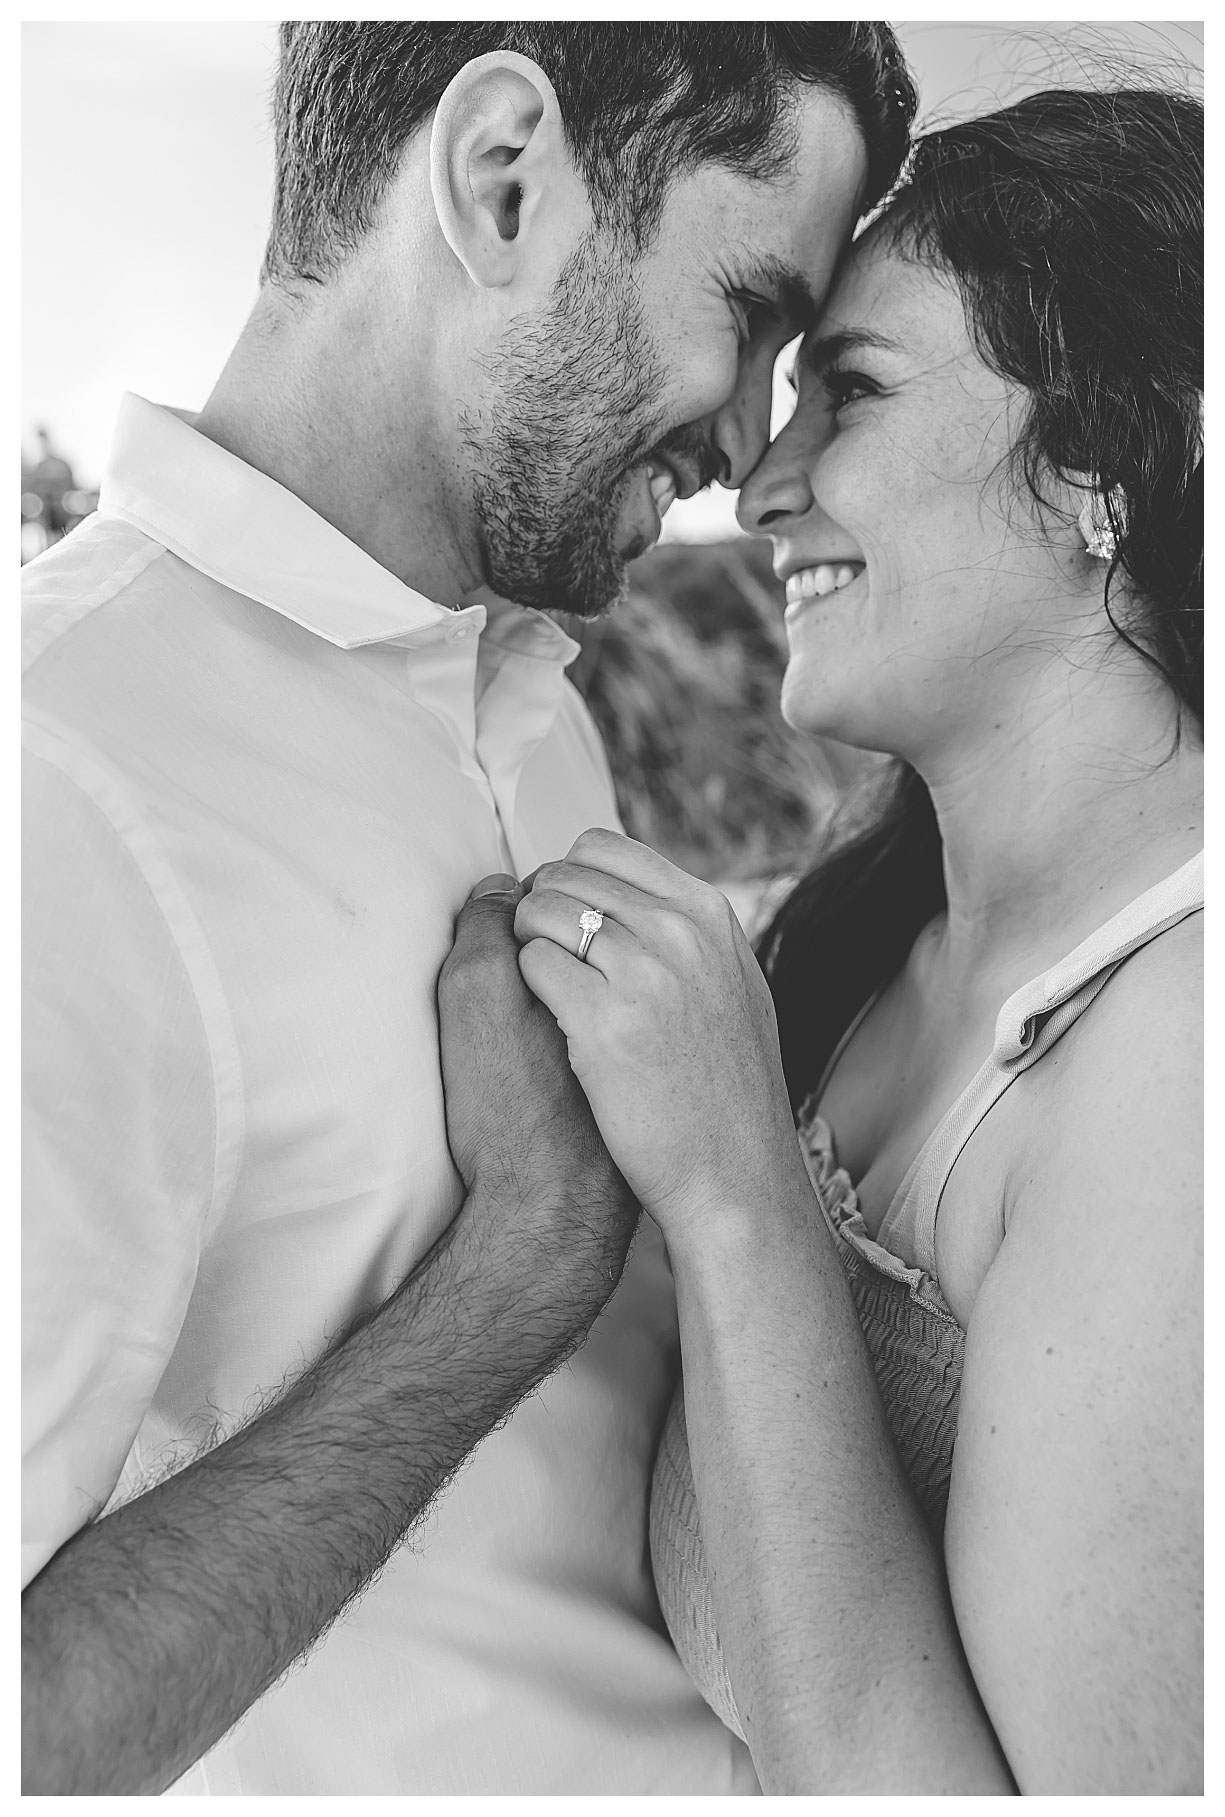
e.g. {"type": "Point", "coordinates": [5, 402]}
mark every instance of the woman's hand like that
{"type": "Point", "coordinates": [670, 1028]}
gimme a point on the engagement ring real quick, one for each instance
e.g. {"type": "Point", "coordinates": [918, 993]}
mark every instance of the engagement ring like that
{"type": "Point", "coordinates": [591, 921]}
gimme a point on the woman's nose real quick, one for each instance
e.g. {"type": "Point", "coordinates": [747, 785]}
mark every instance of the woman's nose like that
{"type": "Point", "coordinates": [776, 490]}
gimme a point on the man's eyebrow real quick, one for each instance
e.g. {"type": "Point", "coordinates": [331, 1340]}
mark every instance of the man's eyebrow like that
{"type": "Point", "coordinates": [789, 288]}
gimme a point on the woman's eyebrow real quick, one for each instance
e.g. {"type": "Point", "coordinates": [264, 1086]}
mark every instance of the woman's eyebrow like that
{"type": "Point", "coordinates": [817, 355]}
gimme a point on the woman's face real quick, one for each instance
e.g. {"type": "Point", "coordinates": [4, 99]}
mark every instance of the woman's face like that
{"type": "Point", "coordinates": [923, 592]}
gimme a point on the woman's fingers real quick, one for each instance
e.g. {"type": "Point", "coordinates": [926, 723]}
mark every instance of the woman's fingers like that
{"type": "Point", "coordinates": [552, 915]}
{"type": "Point", "coordinates": [626, 861]}
{"type": "Point", "coordinates": [568, 889]}
{"type": "Point", "coordinates": [566, 986]}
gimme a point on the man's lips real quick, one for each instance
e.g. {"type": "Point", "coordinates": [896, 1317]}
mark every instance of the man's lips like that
{"type": "Point", "coordinates": [663, 486]}
{"type": "Point", "coordinates": [689, 458]}
{"type": "Point", "coordinates": [677, 467]}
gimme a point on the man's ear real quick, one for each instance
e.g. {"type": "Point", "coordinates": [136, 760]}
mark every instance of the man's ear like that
{"type": "Point", "coordinates": [498, 159]}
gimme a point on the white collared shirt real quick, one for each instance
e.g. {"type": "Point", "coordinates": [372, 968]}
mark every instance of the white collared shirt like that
{"type": "Point", "coordinates": [262, 775]}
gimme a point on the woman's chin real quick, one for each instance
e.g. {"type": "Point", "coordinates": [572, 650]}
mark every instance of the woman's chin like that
{"type": "Point", "coordinates": [793, 714]}
{"type": "Point", "coordinates": [806, 705]}
{"type": "Point", "coordinates": [817, 713]}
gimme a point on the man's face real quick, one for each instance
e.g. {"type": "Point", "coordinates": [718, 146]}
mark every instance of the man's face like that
{"type": "Point", "coordinates": [648, 377]}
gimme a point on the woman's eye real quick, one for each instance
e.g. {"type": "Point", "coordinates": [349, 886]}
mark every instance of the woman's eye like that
{"type": "Point", "coordinates": [842, 388]}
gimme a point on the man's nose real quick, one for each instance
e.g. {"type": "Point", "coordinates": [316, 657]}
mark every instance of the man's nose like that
{"type": "Point", "coordinates": [740, 430]}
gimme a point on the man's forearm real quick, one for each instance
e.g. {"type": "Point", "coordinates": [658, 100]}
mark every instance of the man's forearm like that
{"type": "Point", "coordinates": [151, 1632]}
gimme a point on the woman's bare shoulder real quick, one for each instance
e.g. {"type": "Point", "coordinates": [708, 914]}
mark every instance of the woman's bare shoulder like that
{"type": "Point", "coordinates": [1119, 1099]}
{"type": "Point", "coordinates": [1080, 1430]}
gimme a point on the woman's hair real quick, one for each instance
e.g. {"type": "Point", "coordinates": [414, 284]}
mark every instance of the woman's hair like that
{"type": "Point", "coordinates": [1072, 223]}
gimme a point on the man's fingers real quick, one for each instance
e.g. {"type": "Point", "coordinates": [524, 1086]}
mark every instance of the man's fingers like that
{"type": "Point", "coordinates": [486, 922]}
{"type": "Point", "coordinates": [498, 883]}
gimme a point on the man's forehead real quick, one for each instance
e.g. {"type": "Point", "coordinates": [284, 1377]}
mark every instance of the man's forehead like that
{"type": "Point", "coordinates": [797, 225]}
{"type": "Point", "coordinates": [780, 235]}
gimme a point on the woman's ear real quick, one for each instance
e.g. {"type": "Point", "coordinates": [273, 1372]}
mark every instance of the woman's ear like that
{"type": "Point", "coordinates": [499, 162]}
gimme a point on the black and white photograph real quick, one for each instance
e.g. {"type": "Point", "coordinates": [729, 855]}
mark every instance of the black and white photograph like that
{"type": "Point", "coordinates": [612, 868]}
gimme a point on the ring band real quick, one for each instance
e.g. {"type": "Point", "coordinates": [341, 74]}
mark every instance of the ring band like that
{"type": "Point", "coordinates": [590, 921]}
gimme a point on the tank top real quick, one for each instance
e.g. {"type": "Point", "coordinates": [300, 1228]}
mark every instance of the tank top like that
{"type": "Point", "coordinates": [916, 1345]}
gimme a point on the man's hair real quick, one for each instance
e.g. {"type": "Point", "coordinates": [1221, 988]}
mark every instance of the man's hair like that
{"type": "Point", "coordinates": [641, 104]}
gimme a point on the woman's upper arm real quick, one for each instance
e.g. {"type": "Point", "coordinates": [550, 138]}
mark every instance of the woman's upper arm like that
{"type": "Point", "coordinates": [1074, 1538]}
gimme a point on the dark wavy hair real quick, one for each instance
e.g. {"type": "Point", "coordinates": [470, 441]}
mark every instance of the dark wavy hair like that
{"type": "Point", "coordinates": [640, 104]}
{"type": "Point", "coordinates": [1072, 223]}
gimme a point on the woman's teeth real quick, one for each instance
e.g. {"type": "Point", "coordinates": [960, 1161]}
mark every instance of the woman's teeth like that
{"type": "Point", "coordinates": [663, 487]}
{"type": "Point", "coordinates": [826, 577]}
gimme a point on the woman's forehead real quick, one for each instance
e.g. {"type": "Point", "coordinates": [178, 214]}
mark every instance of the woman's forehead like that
{"type": "Point", "coordinates": [882, 295]}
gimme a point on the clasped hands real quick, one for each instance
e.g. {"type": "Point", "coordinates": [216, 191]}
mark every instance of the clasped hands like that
{"type": "Point", "coordinates": [667, 1025]}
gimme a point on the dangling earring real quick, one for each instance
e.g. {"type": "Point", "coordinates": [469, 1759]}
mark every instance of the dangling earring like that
{"type": "Point", "coordinates": [1101, 538]}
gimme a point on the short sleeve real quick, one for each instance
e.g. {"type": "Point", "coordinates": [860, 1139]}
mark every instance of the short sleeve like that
{"type": "Point", "coordinates": [119, 1147]}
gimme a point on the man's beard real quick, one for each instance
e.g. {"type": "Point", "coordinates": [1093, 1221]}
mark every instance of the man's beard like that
{"type": "Point", "coordinates": [574, 396]}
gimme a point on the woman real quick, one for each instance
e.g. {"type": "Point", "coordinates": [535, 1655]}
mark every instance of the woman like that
{"type": "Point", "coordinates": [988, 507]}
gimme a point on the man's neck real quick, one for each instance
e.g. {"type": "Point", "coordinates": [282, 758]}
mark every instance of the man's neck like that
{"type": "Point", "coordinates": [295, 403]}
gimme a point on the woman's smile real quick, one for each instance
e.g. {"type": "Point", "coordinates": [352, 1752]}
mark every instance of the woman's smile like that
{"type": "Point", "coordinates": [818, 580]}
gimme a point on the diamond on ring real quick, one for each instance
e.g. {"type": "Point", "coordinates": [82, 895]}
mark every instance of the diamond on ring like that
{"type": "Point", "coordinates": [590, 921]}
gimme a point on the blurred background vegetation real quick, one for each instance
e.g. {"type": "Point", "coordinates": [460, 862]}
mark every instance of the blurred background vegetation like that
{"type": "Point", "coordinates": [683, 681]}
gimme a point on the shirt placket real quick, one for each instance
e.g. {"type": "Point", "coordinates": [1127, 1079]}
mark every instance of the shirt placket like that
{"type": "Point", "coordinates": [519, 695]}
{"type": "Point", "coordinates": [441, 669]}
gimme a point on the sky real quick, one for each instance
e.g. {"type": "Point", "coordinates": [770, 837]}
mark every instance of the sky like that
{"type": "Point", "coordinates": [147, 185]}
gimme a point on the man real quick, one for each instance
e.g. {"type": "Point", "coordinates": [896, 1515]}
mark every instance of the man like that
{"type": "Point", "coordinates": [525, 284]}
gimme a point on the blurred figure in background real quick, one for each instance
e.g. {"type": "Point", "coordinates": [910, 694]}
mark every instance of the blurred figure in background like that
{"type": "Point", "coordinates": [51, 502]}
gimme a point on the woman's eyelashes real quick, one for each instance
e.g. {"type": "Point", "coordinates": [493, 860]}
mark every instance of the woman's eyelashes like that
{"type": "Point", "coordinates": [842, 386]}
{"type": "Point", "coordinates": [833, 386]}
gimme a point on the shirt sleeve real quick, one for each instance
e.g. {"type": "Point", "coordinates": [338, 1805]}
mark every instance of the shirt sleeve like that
{"type": "Point", "coordinates": [119, 1146]}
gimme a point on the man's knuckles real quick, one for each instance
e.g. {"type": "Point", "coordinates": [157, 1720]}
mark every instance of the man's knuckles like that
{"type": "Point", "coordinates": [485, 949]}
{"type": "Point", "coordinates": [485, 921]}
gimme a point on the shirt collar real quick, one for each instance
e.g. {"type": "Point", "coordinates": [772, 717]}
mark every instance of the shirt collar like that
{"type": "Point", "coordinates": [251, 534]}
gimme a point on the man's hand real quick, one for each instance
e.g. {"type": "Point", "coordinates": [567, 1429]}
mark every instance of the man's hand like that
{"type": "Point", "coordinates": [151, 1631]}
{"type": "Point", "coordinates": [521, 1132]}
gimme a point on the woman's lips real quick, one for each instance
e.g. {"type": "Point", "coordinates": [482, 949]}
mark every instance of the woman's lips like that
{"type": "Point", "coordinates": [818, 582]}
{"type": "Point", "coordinates": [822, 578]}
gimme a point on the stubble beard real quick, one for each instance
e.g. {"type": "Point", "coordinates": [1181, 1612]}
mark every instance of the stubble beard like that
{"type": "Point", "coordinates": [574, 392]}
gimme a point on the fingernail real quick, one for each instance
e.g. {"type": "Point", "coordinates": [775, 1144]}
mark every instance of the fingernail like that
{"type": "Point", "coordinates": [498, 884]}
